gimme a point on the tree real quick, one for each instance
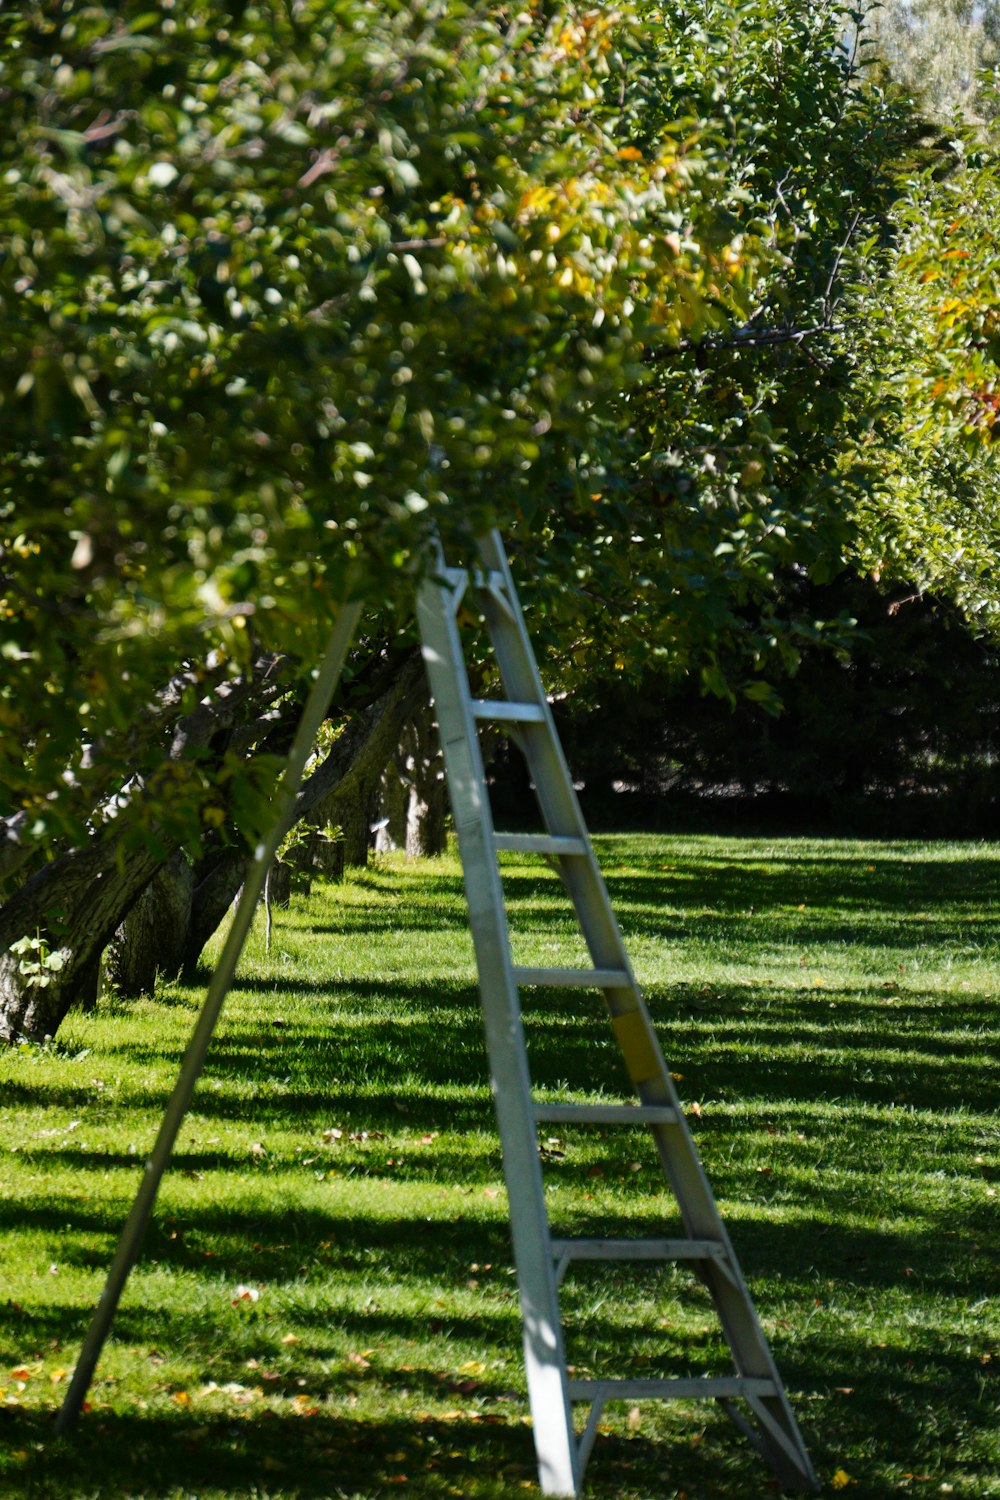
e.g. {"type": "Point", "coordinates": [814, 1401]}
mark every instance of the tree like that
{"type": "Point", "coordinates": [289, 287]}
{"type": "Point", "coordinates": [940, 51]}
{"type": "Point", "coordinates": [286, 286]}
{"type": "Point", "coordinates": [732, 471]}
{"type": "Point", "coordinates": [932, 513]}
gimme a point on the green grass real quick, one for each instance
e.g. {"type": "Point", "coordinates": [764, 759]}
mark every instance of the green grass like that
{"type": "Point", "coordinates": [831, 1009]}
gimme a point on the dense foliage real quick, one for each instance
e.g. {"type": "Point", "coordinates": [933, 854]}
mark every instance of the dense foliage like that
{"type": "Point", "coordinates": [933, 515]}
{"type": "Point", "coordinates": [285, 286]}
{"type": "Point", "coordinates": [943, 51]}
{"type": "Point", "coordinates": [280, 287]}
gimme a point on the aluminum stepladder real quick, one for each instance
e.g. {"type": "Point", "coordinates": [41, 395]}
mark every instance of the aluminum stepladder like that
{"type": "Point", "coordinates": [541, 1259]}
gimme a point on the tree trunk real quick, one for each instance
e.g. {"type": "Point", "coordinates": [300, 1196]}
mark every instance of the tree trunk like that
{"type": "Point", "coordinates": [217, 880]}
{"type": "Point", "coordinates": [392, 803]}
{"type": "Point", "coordinates": [74, 906]}
{"type": "Point", "coordinates": [151, 938]}
{"type": "Point", "coordinates": [353, 804]}
{"type": "Point", "coordinates": [329, 797]}
{"type": "Point", "coordinates": [427, 790]}
{"type": "Point", "coordinates": [280, 884]}
{"type": "Point", "coordinates": [325, 855]}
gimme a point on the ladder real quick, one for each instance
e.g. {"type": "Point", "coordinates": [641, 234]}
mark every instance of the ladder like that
{"type": "Point", "coordinates": [753, 1395]}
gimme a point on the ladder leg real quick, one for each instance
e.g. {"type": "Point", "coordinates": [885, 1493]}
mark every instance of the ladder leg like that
{"type": "Point", "coordinates": [542, 1328]}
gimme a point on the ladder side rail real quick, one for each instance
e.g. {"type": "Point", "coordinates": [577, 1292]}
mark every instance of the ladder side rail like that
{"type": "Point", "coordinates": [557, 800]}
{"type": "Point", "coordinates": [699, 1212]}
{"type": "Point", "coordinates": [637, 1039]}
{"type": "Point", "coordinates": [696, 1203]}
{"type": "Point", "coordinates": [542, 1329]}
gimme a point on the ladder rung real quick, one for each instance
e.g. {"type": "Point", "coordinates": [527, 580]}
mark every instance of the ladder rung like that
{"type": "Point", "coordinates": [582, 1249]}
{"type": "Point", "coordinates": [608, 1114]}
{"type": "Point", "coordinates": [517, 713]}
{"type": "Point", "coordinates": [539, 843]}
{"type": "Point", "coordinates": [697, 1388]}
{"type": "Point", "coordinates": [598, 979]}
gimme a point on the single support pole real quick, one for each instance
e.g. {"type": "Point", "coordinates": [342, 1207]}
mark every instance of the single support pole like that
{"type": "Point", "coordinates": [135, 1225]}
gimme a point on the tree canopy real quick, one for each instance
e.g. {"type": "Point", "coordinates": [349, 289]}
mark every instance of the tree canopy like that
{"type": "Point", "coordinates": [288, 287]}
{"type": "Point", "coordinates": [942, 51]}
{"type": "Point", "coordinates": [282, 287]}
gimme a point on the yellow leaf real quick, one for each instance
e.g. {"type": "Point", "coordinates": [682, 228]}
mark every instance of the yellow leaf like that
{"type": "Point", "coordinates": [840, 1480]}
{"type": "Point", "coordinates": [182, 1398]}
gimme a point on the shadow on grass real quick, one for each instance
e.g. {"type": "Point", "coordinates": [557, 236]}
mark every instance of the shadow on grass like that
{"type": "Point", "coordinates": [483, 1448]}
{"type": "Point", "coordinates": [883, 1044]}
{"type": "Point", "coordinates": [822, 1121]}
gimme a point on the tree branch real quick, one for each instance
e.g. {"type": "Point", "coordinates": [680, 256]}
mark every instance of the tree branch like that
{"type": "Point", "coordinates": [746, 338]}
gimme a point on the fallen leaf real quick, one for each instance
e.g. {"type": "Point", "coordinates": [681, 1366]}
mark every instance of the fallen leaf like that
{"type": "Point", "coordinates": [245, 1294]}
{"type": "Point", "coordinates": [841, 1479]}
{"type": "Point", "coordinates": [634, 1420]}
{"type": "Point", "coordinates": [290, 1338]}
{"type": "Point", "coordinates": [696, 1109]}
{"type": "Point", "coordinates": [359, 1361]}
{"type": "Point", "coordinates": [182, 1398]}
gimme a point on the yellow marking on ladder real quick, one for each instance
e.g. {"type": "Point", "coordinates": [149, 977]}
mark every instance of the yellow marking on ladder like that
{"type": "Point", "coordinates": [635, 1038]}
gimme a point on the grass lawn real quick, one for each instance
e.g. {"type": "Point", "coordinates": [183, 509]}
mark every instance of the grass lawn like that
{"type": "Point", "coordinates": [325, 1305]}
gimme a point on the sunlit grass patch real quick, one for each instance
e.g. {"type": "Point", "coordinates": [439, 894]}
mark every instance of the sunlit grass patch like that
{"type": "Point", "coordinates": [325, 1304]}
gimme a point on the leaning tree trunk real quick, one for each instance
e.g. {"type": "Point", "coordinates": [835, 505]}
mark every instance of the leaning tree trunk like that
{"type": "Point", "coordinates": [393, 800]}
{"type": "Point", "coordinates": [151, 938]}
{"type": "Point", "coordinates": [70, 909]}
{"type": "Point", "coordinates": [352, 804]}
{"type": "Point", "coordinates": [73, 906]}
{"type": "Point", "coordinates": [331, 795]}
